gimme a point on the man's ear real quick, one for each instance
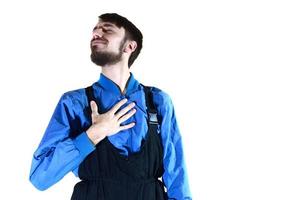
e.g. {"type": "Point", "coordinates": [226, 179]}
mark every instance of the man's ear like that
{"type": "Point", "coordinates": [130, 46]}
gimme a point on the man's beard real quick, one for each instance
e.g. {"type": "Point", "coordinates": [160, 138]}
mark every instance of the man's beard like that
{"type": "Point", "coordinates": [102, 58]}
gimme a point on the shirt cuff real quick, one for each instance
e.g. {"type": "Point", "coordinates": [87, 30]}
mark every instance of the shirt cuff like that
{"type": "Point", "coordinates": [84, 144]}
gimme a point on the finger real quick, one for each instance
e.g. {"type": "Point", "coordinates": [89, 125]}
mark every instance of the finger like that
{"type": "Point", "coordinates": [94, 108]}
{"type": "Point", "coordinates": [125, 110]}
{"type": "Point", "coordinates": [127, 116]}
{"type": "Point", "coordinates": [118, 105]}
{"type": "Point", "coordinates": [127, 126]}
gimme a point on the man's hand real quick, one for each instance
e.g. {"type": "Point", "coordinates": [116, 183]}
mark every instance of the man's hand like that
{"type": "Point", "coordinates": [109, 123]}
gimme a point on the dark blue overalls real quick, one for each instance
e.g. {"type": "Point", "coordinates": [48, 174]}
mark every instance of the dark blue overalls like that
{"type": "Point", "coordinates": [108, 175]}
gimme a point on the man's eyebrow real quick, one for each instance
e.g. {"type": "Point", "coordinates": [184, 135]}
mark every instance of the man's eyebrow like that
{"type": "Point", "coordinates": [104, 25]}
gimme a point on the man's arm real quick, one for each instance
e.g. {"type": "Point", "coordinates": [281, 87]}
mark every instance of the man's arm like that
{"type": "Point", "coordinates": [175, 175]}
{"type": "Point", "coordinates": [58, 154]}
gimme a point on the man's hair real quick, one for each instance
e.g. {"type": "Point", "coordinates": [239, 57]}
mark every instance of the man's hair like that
{"type": "Point", "coordinates": [131, 32]}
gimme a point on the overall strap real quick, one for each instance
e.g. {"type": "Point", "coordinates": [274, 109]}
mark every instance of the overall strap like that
{"type": "Point", "coordinates": [90, 97]}
{"type": "Point", "coordinates": [151, 110]}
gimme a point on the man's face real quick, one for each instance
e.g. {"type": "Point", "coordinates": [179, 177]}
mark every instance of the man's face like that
{"type": "Point", "coordinates": [107, 43]}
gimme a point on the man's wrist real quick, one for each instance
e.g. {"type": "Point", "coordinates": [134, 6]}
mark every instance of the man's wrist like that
{"type": "Point", "coordinates": [93, 136]}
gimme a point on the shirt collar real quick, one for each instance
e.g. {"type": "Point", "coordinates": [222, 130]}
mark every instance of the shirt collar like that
{"type": "Point", "coordinates": [108, 84]}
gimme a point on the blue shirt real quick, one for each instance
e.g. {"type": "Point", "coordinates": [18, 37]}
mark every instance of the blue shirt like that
{"type": "Point", "coordinates": [58, 153]}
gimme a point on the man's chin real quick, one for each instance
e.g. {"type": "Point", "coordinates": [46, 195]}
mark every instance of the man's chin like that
{"type": "Point", "coordinates": [97, 50]}
{"type": "Point", "coordinates": [102, 58]}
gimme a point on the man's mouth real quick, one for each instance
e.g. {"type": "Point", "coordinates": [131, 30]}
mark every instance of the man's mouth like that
{"type": "Point", "coordinates": [96, 42]}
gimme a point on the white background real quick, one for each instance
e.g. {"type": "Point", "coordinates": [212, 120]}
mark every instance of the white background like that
{"type": "Point", "coordinates": [232, 69]}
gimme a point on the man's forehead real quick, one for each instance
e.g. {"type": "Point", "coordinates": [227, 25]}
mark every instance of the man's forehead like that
{"type": "Point", "coordinates": [106, 24]}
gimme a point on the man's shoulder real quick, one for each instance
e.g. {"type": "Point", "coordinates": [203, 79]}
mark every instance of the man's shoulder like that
{"type": "Point", "coordinates": [75, 96]}
{"type": "Point", "coordinates": [75, 93]}
{"type": "Point", "coordinates": [160, 96]}
{"type": "Point", "coordinates": [159, 92]}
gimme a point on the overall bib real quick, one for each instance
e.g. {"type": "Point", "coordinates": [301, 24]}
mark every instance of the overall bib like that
{"type": "Point", "coordinates": [108, 175]}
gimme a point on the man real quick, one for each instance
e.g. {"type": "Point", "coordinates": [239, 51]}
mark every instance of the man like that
{"type": "Point", "coordinates": [118, 136]}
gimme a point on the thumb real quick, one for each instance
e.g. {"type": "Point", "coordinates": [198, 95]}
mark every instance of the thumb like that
{"type": "Point", "coordinates": [94, 108]}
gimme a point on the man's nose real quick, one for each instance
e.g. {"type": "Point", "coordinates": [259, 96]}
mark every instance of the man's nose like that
{"type": "Point", "coordinates": [97, 34]}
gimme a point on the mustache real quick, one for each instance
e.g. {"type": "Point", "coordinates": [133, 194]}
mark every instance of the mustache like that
{"type": "Point", "coordinates": [100, 39]}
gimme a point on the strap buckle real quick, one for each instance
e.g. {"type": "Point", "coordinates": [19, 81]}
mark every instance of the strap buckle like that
{"type": "Point", "coordinates": [153, 118]}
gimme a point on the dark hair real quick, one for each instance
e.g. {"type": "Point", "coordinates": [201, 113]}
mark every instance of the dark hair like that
{"type": "Point", "coordinates": [131, 32]}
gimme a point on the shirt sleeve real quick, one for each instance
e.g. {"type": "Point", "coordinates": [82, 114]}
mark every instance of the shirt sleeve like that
{"type": "Point", "coordinates": [57, 153]}
{"type": "Point", "coordinates": [175, 175]}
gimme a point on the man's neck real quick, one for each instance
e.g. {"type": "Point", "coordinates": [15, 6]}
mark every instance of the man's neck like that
{"type": "Point", "coordinates": [119, 74]}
